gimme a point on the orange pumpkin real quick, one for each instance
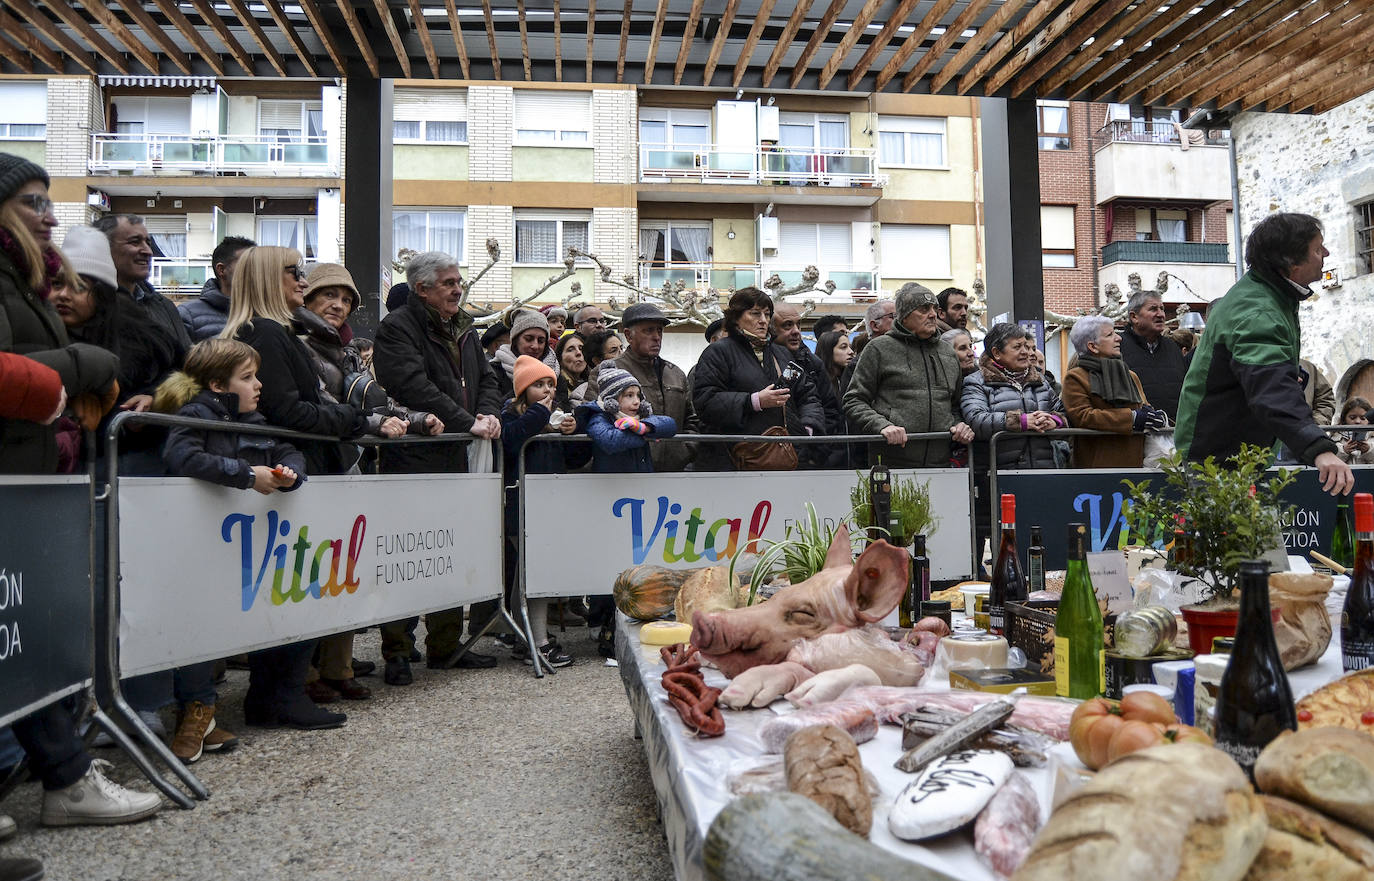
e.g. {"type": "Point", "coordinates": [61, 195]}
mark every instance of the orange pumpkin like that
{"type": "Point", "coordinates": [646, 592]}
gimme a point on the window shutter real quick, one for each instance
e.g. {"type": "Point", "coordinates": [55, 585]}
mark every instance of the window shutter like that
{"type": "Point", "coordinates": [273, 115]}
{"type": "Point", "coordinates": [431, 105]}
{"type": "Point", "coordinates": [915, 251]}
{"type": "Point", "coordinates": [836, 244]}
{"type": "Point", "coordinates": [166, 224]}
{"type": "Point", "coordinates": [24, 103]}
{"type": "Point", "coordinates": [563, 111]}
{"type": "Point", "coordinates": [798, 243]}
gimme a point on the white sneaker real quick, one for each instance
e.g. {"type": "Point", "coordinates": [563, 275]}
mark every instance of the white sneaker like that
{"type": "Point", "coordinates": [7, 827]}
{"type": "Point", "coordinates": [96, 799]}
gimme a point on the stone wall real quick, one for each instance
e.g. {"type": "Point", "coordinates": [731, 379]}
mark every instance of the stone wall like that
{"type": "Point", "coordinates": [1321, 165]}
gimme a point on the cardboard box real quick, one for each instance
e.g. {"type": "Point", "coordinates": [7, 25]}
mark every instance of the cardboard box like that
{"type": "Point", "coordinates": [1030, 627]}
{"type": "Point", "coordinates": [1002, 680]}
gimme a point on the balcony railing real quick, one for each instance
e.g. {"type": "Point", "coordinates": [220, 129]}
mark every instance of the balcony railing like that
{"type": "Point", "coordinates": [1165, 252]}
{"type": "Point", "coordinates": [1139, 131]}
{"type": "Point", "coordinates": [212, 154]}
{"type": "Point", "coordinates": [179, 277]}
{"type": "Point", "coordinates": [851, 282]}
{"type": "Point", "coordinates": [792, 166]}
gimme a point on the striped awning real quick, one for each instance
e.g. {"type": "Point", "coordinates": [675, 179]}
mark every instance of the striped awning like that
{"type": "Point", "coordinates": [163, 82]}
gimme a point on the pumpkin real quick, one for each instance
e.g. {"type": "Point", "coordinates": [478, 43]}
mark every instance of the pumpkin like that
{"type": "Point", "coordinates": [646, 592]}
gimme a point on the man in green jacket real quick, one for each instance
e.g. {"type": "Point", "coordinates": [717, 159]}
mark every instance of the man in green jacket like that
{"type": "Point", "coordinates": [908, 381]}
{"type": "Point", "coordinates": [1244, 385]}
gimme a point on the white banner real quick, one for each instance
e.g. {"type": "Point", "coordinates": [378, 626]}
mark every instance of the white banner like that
{"type": "Point", "coordinates": [583, 530]}
{"type": "Point", "coordinates": [210, 571]}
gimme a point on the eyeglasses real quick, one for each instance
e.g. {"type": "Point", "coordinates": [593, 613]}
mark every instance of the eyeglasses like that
{"type": "Point", "coordinates": [600, 321]}
{"type": "Point", "coordinates": [297, 271]}
{"type": "Point", "coordinates": [38, 204]}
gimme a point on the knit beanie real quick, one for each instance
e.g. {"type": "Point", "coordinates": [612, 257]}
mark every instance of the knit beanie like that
{"type": "Point", "coordinates": [612, 381]}
{"type": "Point", "coordinates": [397, 296]}
{"type": "Point", "coordinates": [526, 319]}
{"type": "Point", "coordinates": [88, 251]}
{"type": "Point", "coordinates": [527, 370]}
{"type": "Point", "coordinates": [553, 310]}
{"type": "Point", "coordinates": [15, 171]}
{"type": "Point", "coordinates": [494, 333]}
{"type": "Point", "coordinates": [912, 296]}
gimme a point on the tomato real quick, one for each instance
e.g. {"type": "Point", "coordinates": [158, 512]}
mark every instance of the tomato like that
{"type": "Point", "coordinates": [1186, 734]}
{"type": "Point", "coordinates": [1100, 739]}
{"type": "Point", "coordinates": [1148, 707]}
{"type": "Point", "coordinates": [1133, 736]}
{"type": "Point", "coordinates": [1088, 717]}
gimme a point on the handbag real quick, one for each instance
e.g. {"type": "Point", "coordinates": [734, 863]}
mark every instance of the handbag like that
{"type": "Point", "coordinates": [766, 455]}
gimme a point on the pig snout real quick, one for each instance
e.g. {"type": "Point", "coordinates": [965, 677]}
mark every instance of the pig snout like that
{"type": "Point", "coordinates": [735, 640]}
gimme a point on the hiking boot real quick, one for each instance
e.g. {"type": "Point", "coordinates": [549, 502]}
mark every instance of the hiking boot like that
{"type": "Point", "coordinates": [197, 721]}
{"type": "Point", "coordinates": [218, 740]}
{"type": "Point", "coordinates": [96, 799]}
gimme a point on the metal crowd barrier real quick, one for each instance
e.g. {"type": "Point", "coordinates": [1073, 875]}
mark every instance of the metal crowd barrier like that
{"type": "Point", "coordinates": [109, 701]}
{"type": "Point", "coordinates": [521, 598]}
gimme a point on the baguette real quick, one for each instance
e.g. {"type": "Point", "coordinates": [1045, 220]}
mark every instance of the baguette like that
{"type": "Point", "coordinates": [1294, 819]}
{"type": "Point", "coordinates": [1176, 812]}
{"type": "Point", "coordinates": [1330, 769]}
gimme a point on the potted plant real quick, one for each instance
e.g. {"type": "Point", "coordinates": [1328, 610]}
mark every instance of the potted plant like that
{"type": "Point", "coordinates": [910, 503]}
{"type": "Point", "coordinates": [1231, 512]}
{"type": "Point", "coordinates": [799, 554]}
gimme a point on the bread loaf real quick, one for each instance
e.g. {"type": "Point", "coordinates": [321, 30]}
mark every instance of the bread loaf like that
{"type": "Point", "coordinates": [1176, 812]}
{"type": "Point", "coordinates": [823, 764]}
{"type": "Point", "coordinates": [1329, 849]}
{"type": "Point", "coordinates": [1330, 769]}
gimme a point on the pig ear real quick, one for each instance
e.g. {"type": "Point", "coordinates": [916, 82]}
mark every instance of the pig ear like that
{"type": "Point", "coordinates": [879, 579]}
{"type": "Point", "coordinates": [841, 552]}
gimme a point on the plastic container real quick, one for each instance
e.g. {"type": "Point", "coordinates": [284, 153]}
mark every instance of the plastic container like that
{"type": "Point", "coordinates": [1162, 690]}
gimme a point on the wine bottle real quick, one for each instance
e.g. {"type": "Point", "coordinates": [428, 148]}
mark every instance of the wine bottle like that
{"type": "Point", "coordinates": [1008, 581]}
{"type": "Point", "coordinates": [1079, 647]}
{"type": "Point", "coordinates": [1357, 616]}
{"type": "Point", "coordinates": [1254, 702]}
{"type": "Point", "coordinates": [1343, 539]}
{"type": "Point", "coordinates": [920, 577]}
{"type": "Point", "coordinates": [1035, 562]}
{"type": "Point", "coordinates": [905, 609]}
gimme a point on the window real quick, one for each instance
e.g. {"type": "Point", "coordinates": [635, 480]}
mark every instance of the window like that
{"type": "Point", "coordinates": [1057, 237]}
{"type": "Point", "coordinates": [420, 230]}
{"type": "Point", "coordinates": [1364, 237]}
{"type": "Point", "coordinates": [169, 235]}
{"type": "Point", "coordinates": [1161, 225]}
{"type": "Point", "coordinates": [1054, 124]}
{"type": "Point", "coordinates": [911, 141]}
{"type": "Point", "coordinates": [291, 121]}
{"type": "Point", "coordinates": [152, 116]}
{"type": "Point", "coordinates": [545, 238]}
{"type": "Point", "coordinates": [662, 243]}
{"type": "Point", "coordinates": [553, 118]}
{"type": "Point", "coordinates": [915, 251]}
{"type": "Point", "coordinates": [827, 245]}
{"type": "Point", "coordinates": [804, 138]}
{"type": "Point", "coordinates": [23, 111]}
{"type": "Point", "coordinates": [300, 233]}
{"type": "Point", "coordinates": [436, 116]}
{"type": "Point", "coordinates": [662, 127]}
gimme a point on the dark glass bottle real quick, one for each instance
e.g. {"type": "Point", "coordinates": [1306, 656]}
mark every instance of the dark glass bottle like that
{"type": "Point", "coordinates": [1079, 646]}
{"type": "Point", "coordinates": [1254, 701]}
{"type": "Point", "coordinates": [1035, 562]}
{"type": "Point", "coordinates": [1343, 539]}
{"type": "Point", "coordinates": [920, 575]}
{"type": "Point", "coordinates": [1357, 616]}
{"type": "Point", "coordinates": [1008, 581]}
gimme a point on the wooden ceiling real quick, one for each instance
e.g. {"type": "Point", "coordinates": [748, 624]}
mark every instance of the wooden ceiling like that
{"type": "Point", "coordinates": [1278, 55]}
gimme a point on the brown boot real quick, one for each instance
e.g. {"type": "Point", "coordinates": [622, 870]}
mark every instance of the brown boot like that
{"type": "Point", "coordinates": [197, 721]}
{"type": "Point", "coordinates": [220, 740]}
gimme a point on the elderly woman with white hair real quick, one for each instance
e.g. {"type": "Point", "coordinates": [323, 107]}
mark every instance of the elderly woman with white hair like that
{"type": "Point", "coordinates": [1102, 393]}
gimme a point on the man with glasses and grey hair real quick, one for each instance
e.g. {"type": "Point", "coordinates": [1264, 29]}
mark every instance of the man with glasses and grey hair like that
{"type": "Point", "coordinates": [428, 357]}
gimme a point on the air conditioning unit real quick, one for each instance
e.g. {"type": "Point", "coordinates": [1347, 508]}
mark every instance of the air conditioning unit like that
{"type": "Point", "coordinates": [770, 234]}
{"type": "Point", "coordinates": [98, 200]}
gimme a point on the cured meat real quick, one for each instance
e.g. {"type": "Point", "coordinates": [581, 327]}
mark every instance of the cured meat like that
{"type": "Point", "coordinates": [895, 663]}
{"type": "Point", "coordinates": [854, 718]}
{"type": "Point", "coordinates": [1003, 833]}
{"type": "Point", "coordinates": [823, 764]}
{"type": "Point", "coordinates": [1045, 715]}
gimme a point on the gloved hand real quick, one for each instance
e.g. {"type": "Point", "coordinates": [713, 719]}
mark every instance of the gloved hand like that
{"type": "Point", "coordinates": [1158, 420]}
{"type": "Point", "coordinates": [630, 423]}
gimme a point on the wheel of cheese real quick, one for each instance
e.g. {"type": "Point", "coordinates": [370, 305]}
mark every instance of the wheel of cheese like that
{"type": "Point", "coordinates": [665, 633]}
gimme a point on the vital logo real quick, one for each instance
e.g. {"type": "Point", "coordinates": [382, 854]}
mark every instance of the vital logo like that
{"type": "Point", "coordinates": [715, 543]}
{"type": "Point", "coordinates": [275, 549]}
{"type": "Point", "coordinates": [1108, 533]}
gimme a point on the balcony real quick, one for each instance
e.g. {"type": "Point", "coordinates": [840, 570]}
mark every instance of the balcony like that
{"type": "Point", "coordinates": [852, 283]}
{"type": "Point", "coordinates": [1199, 271]}
{"type": "Point", "coordinates": [1164, 252]}
{"type": "Point", "coordinates": [1133, 161]}
{"type": "Point", "coordinates": [179, 278]}
{"type": "Point", "coordinates": [213, 154]}
{"type": "Point", "coordinates": [782, 166]}
{"type": "Point", "coordinates": [1139, 131]}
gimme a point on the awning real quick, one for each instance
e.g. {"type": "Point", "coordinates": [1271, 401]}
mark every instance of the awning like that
{"type": "Point", "coordinates": [160, 82]}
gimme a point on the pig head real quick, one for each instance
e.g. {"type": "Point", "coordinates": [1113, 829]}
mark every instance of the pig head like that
{"type": "Point", "coordinates": [843, 595]}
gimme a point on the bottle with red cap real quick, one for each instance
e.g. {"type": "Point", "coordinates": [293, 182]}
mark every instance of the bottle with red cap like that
{"type": "Point", "coordinates": [1008, 581]}
{"type": "Point", "coordinates": [1357, 616]}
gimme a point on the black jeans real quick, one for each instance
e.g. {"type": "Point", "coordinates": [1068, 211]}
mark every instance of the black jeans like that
{"type": "Point", "coordinates": [57, 754]}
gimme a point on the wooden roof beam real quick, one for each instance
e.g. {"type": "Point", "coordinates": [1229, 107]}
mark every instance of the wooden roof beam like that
{"type": "Point", "coordinates": [1181, 11]}
{"type": "Point", "coordinates": [1066, 32]}
{"type": "Point", "coordinates": [457, 28]}
{"type": "Point", "coordinates": [990, 29]}
{"type": "Point", "coordinates": [952, 33]}
{"type": "Point", "coordinates": [832, 14]}
{"type": "Point", "coordinates": [591, 37]}
{"type": "Point", "coordinates": [1133, 21]}
{"type": "Point", "coordinates": [1348, 83]}
{"type": "Point", "coordinates": [1059, 48]}
{"type": "Point", "coordinates": [879, 43]}
{"type": "Point", "coordinates": [74, 20]}
{"type": "Point", "coordinates": [289, 31]}
{"type": "Point", "coordinates": [524, 41]}
{"type": "Point", "coordinates": [1305, 62]}
{"type": "Point", "coordinates": [191, 33]}
{"type": "Point", "coordinates": [360, 39]}
{"type": "Point", "coordinates": [45, 26]}
{"type": "Point", "coordinates": [784, 41]}
{"type": "Point", "coordinates": [315, 16]}
{"type": "Point", "coordinates": [155, 32]}
{"type": "Point", "coordinates": [212, 20]}
{"type": "Point", "coordinates": [851, 37]}
{"type": "Point", "coordinates": [727, 19]}
{"type": "Point", "coordinates": [246, 19]}
{"type": "Point", "coordinates": [624, 41]}
{"type": "Point", "coordinates": [999, 50]}
{"type": "Point", "coordinates": [393, 36]}
{"type": "Point", "coordinates": [17, 56]}
{"type": "Point", "coordinates": [656, 34]}
{"type": "Point", "coordinates": [688, 35]}
{"type": "Point", "coordinates": [417, 15]}
{"type": "Point", "coordinates": [101, 13]}
{"type": "Point", "coordinates": [11, 28]}
{"type": "Point", "coordinates": [751, 42]}
{"type": "Point", "coordinates": [557, 43]}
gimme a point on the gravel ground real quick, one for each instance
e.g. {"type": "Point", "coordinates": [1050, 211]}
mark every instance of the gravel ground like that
{"type": "Point", "coordinates": [466, 774]}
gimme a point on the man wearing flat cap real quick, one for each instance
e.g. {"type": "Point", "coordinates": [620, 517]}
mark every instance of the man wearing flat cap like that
{"type": "Point", "coordinates": [908, 381]}
{"type": "Point", "coordinates": [662, 383]}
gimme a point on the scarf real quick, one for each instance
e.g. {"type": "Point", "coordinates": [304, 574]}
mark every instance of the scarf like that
{"type": "Point", "coordinates": [1110, 380]}
{"type": "Point", "coordinates": [52, 263]}
{"type": "Point", "coordinates": [758, 343]}
{"type": "Point", "coordinates": [1018, 379]}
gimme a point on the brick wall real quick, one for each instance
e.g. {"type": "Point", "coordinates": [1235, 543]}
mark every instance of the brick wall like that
{"type": "Point", "coordinates": [615, 239]}
{"type": "Point", "coordinates": [484, 222]}
{"type": "Point", "coordinates": [1065, 180]}
{"type": "Point", "coordinates": [491, 128]}
{"type": "Point", "coordinates": [615, 129]}
{"type": "Point", "coordinates": [73, 106]}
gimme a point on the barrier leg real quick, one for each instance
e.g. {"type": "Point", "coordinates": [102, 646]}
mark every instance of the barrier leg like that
{"type": "Point", "coordinates": [130, 749]}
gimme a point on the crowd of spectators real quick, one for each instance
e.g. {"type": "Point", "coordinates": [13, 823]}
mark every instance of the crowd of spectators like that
{"type": "Point", "coordinates": [268, 341]}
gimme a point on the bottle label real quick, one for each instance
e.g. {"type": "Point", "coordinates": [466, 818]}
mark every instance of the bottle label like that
{"type": "Point", "coordinates": [997, 620]}
{"type": "Point", "coordinates": [1356, 654]}
{"type": "Point", "coordinates": [1061, 666]}
{"type": "Point", "coordinates": [1244, 754]}
{"type": "Point", "coordinates": [1102, 670]}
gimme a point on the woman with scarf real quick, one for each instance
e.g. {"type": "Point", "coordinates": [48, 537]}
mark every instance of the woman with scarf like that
{"type": "Point", "coordinates": [1102, 393]}
{"type": "Point", "coordinates": [740, 387]}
